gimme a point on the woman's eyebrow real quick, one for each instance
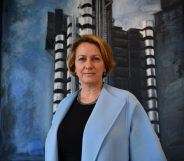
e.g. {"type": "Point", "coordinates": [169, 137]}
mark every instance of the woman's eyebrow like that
{"type": "Point", "coordinates": [81, 55]}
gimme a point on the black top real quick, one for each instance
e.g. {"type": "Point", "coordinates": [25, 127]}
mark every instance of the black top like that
{"type": "Point", "coordinates": [70, 131]}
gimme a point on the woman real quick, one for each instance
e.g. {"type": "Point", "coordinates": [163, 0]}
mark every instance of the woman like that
{"type": "Point", "coordinates": [99, 122]}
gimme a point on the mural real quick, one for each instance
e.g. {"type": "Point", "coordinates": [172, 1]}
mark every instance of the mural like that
{"type": "Point", "coordinates": [29, 61]}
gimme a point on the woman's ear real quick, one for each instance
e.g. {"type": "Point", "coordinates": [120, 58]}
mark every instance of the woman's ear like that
{"type": "Point", "coordinates": [104, 73]}
{"type": "Point", "coordinates": [75, 73]}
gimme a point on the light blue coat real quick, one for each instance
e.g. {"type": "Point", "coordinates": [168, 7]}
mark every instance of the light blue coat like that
{"type": "Point", "coordinates": [117, 130]}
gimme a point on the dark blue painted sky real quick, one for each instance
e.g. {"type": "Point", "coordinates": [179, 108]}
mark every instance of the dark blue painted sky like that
{"type": "Point", "coordinates": [27, 76]}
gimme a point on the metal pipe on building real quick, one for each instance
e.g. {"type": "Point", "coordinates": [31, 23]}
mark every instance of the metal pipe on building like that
{"type": "Point", "coordinates": [59, 71]}
{"type": "Point", "coordinates": [152, 100]}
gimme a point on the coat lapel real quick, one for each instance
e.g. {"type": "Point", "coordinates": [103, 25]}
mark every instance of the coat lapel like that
{"type": "Point", "coordinates": [51, 142]}
{"type": "Point", "coordinates": [63, 109]}
{"type": "Point", "coordinates": [100, 122]}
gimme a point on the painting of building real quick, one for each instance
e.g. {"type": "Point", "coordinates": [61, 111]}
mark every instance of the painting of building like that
{"type": "Point", "coordinates": [35, 40]}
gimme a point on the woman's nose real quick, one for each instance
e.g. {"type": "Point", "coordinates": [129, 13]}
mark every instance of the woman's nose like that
{"type": "Point", "coordinates": [88, 64]}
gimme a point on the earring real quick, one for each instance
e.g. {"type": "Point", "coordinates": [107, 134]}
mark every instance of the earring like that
{"type": "Point", "coordinates": [104, 74]}
{"type": "Point", "coordinates": [75, 74]}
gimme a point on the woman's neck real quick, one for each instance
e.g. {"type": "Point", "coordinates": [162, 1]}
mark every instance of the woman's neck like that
{"type": "Point", "coordinates": [91, 93]}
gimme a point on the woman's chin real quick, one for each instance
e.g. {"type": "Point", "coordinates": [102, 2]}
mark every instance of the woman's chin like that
{"type": "Point", "coordinates": [90, 82]}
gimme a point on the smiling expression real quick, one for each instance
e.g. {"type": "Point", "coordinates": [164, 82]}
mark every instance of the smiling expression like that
{"type": "Point", "coordinates": [89, 65]}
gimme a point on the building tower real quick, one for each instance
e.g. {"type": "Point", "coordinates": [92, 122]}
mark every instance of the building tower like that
{"type": "Point", "coordinates": [60, 58]}
{"type": "Point", "coordinates": [95, 17]}
{"type": "Point", "coordinates": [56, 43]}
{"type": "Point", "coordinates": [136, 57]}
{"type": "Point", "coordinates": [169, 35]}
{"type": "Point", "coordinates": [120, 75]}
{"type": "Point", "coordinates": [135, 71]}
{"type": "Point", "coordinates": [103, 19]}
{"type": "Point", "coordinates": [86, 18]}
{"type": "Point", "coordinates": [152, 105]}
{"type": "Point", "coordinates": [59, 71]}
{"type": "Point", "coordinates": [72, 34]}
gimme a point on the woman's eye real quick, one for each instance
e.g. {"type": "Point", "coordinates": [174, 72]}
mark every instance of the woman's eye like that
{"type": "Point", "coordinates": [96, 59]}
{"type": "Point", "coordinates": [81, 59]}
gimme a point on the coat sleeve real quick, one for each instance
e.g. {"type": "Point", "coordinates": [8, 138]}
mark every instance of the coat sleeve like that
{"type": "Point", "coordinates": [144, 143]}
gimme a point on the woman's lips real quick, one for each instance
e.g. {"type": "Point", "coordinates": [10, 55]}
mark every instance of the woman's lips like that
{"type": "Point", "coordinates": [88, 73]}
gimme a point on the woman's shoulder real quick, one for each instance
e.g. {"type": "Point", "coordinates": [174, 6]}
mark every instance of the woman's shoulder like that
{"type": "Point", "coordinates": [122, 93]}
{"type": "Point", "coordinates": [64, 103]}
{"type": "Point", "coordinates": [117, 91]}
{"type": "Point", "coordinates": [69, 97]}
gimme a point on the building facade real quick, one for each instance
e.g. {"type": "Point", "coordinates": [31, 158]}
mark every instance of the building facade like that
{"type": "Point", "coordinates": [169, 26]}
{"type": "Point", "coordinates": [134, 52]}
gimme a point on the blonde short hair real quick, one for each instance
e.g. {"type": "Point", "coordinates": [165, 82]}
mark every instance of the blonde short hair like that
{"type": "Point", "coordinates": [105, 50]}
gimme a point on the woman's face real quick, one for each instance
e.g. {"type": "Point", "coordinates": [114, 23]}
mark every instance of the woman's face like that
{"type": "Point", "coordinates": [89, 65]}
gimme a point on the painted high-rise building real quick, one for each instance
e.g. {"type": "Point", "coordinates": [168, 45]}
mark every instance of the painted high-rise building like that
{"type": "Point", "coordinates": [103, 18]}
{"type": "Point", "coordinates": [169, 36]}
{"type": "Point", "coordinates": [95, 17]}
{"type": "Point", "coordinates": [120, 75]}
{"type": "Point", "coordinates": [151, 85]}
{"type": "Point", "coordinates": [135, 71]}
{"type": "Point", "coordinates": [56, 42]}
{"type": "Point", "coordinates": [86, 17]}
{"type": "Point", "coordinates": [59, 70]}
{"type": "Point", "coordinates": [72, 34]}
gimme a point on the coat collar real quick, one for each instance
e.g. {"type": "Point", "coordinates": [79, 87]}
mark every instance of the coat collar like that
{"type": "Point", "coordinates": [100, 122]}
{"type": "Point", "coordinates": [62, 109]}
{"type": "Point", "coordinates": [51, 153]}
